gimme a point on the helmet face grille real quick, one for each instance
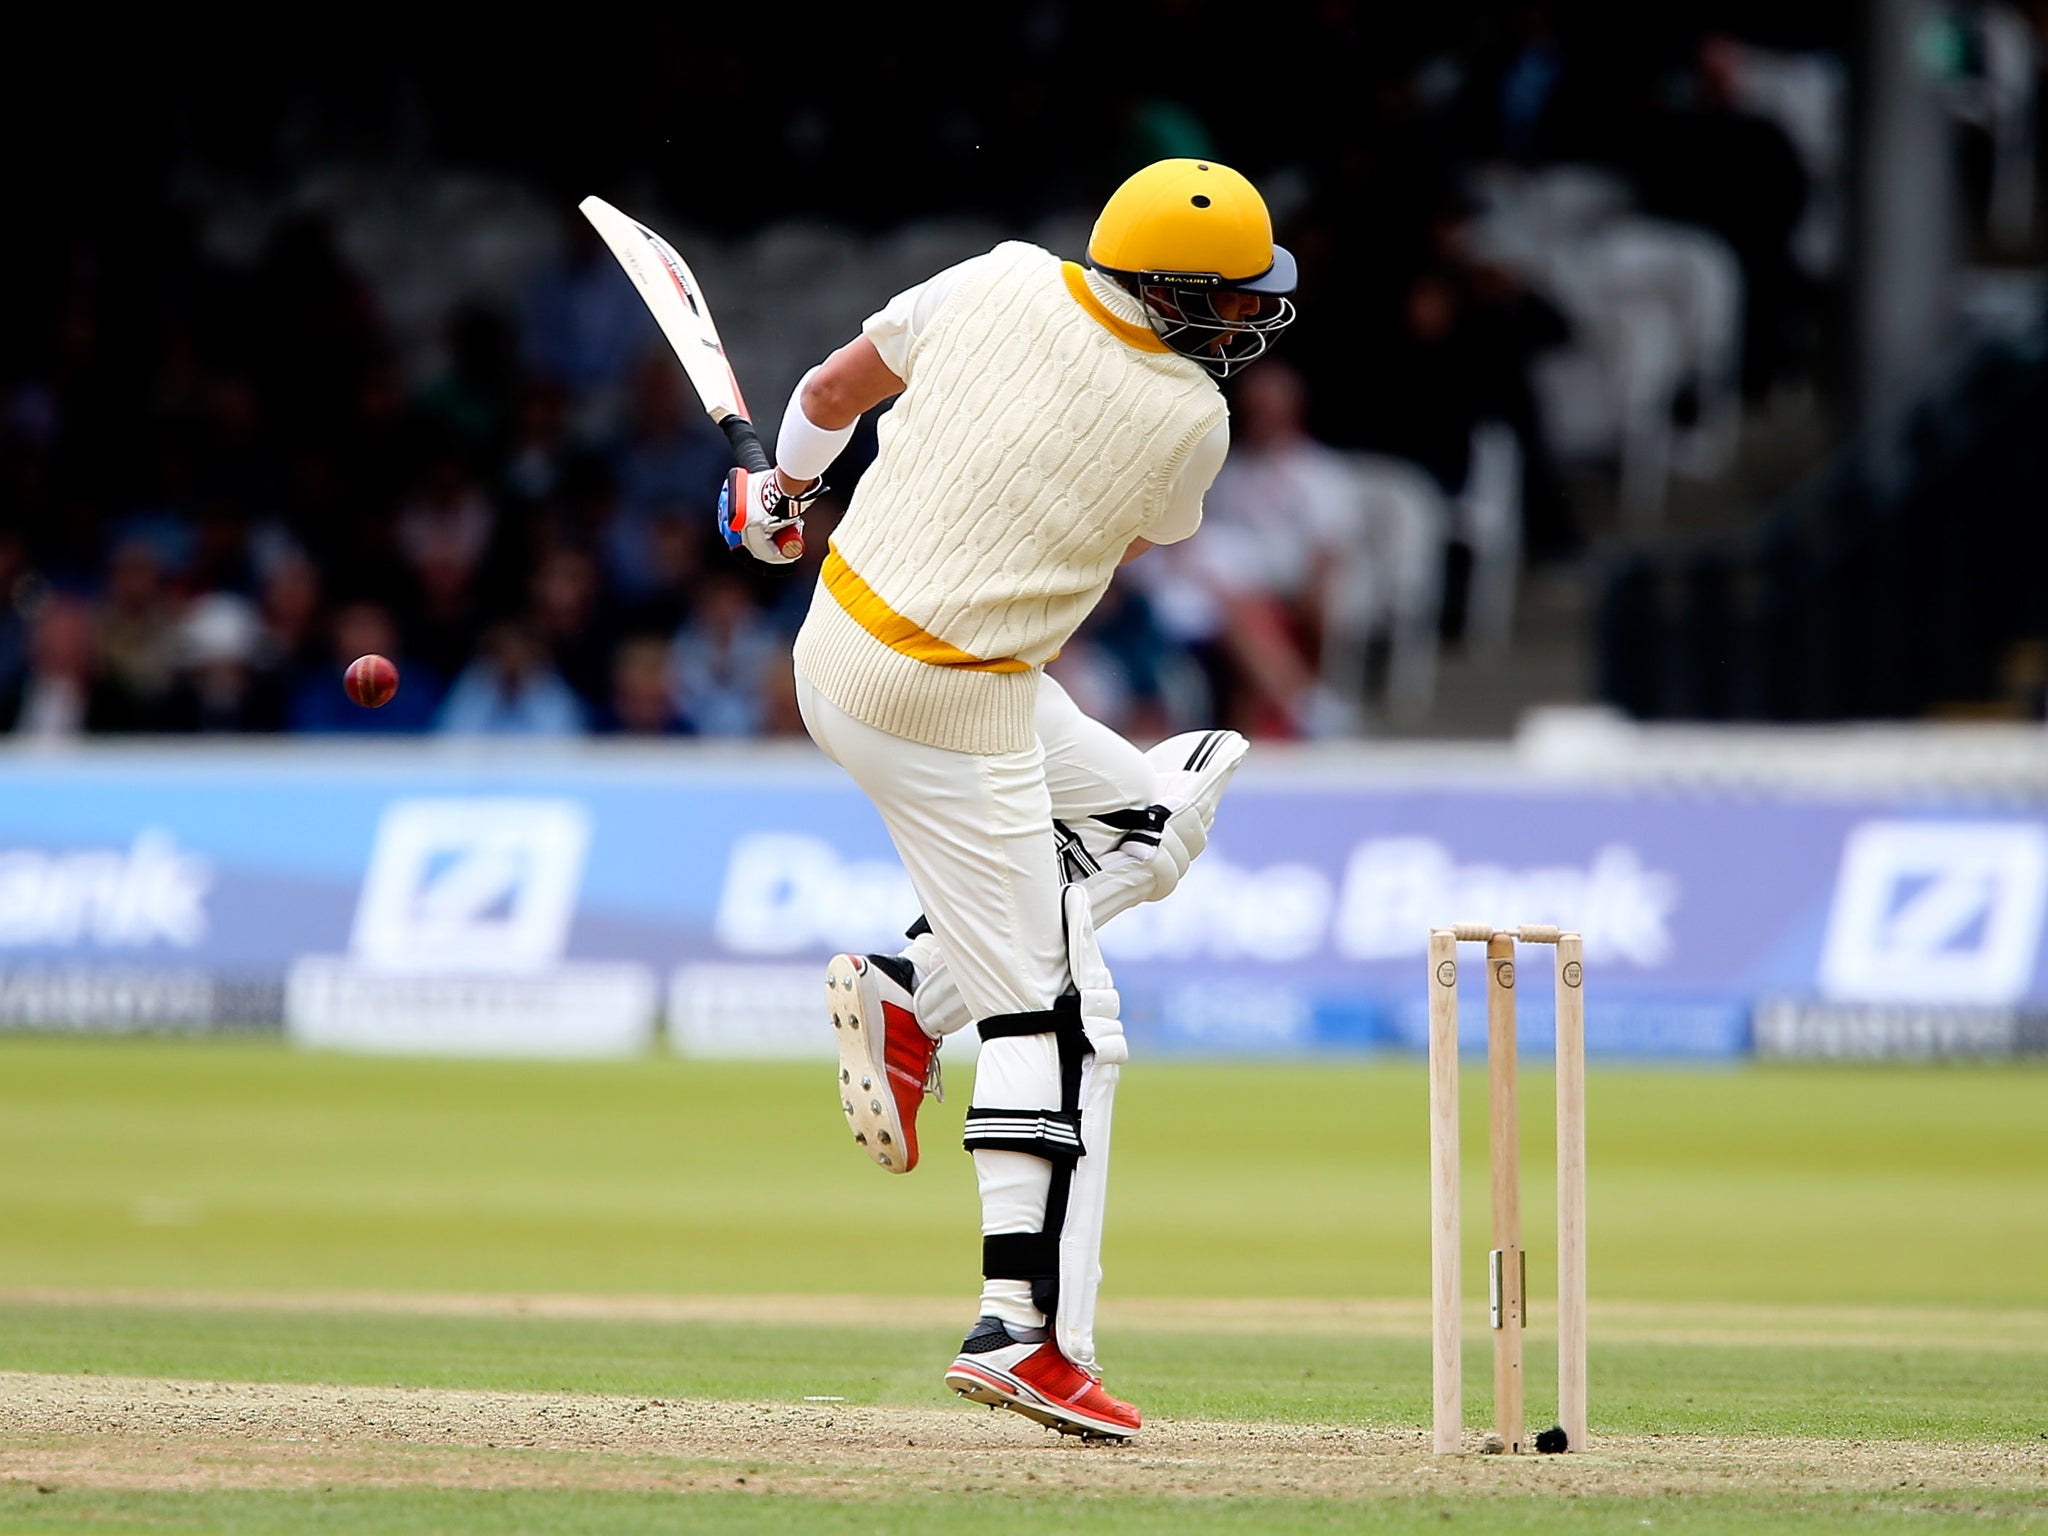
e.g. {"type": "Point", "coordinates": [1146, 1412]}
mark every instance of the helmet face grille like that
{"type": "Point", "coordinates": [1187, 320]}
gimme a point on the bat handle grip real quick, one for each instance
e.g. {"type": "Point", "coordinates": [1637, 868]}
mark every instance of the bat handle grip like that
{"type": "Point", "coordinates": [746, 444]}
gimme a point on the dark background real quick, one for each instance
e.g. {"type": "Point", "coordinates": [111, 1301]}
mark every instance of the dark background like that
{"type": "Point", "coordinates": [223, 419]}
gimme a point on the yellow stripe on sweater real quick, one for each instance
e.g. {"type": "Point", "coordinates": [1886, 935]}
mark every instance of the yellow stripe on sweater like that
{"type": "Point", "coordinates": [1140, 336]}
{"type": "Point", "coordinates": [901, 635]}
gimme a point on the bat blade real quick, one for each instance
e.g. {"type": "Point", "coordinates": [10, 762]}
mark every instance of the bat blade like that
{"type": "Point", "coordinates": [671, 291]}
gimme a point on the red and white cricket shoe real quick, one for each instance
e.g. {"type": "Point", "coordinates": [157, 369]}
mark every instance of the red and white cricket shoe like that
{"type": "Point", "coordinates": [887, 1063]}
{"type": "Point", "coordinates": [1032, 1377]}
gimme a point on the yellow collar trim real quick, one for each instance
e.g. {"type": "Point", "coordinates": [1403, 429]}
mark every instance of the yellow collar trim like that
{"type": "Point", "coordinates": [901, 635]}
{"type": "Point", "coordinates": [1140, 336]}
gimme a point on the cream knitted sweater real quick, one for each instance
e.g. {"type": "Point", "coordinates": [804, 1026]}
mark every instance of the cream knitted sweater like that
{"type": "Point", "coordinates": [1029, 447]}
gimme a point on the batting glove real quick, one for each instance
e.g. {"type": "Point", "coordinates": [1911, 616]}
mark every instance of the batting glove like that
{"type": "Point", "coordinates": [757, 515]}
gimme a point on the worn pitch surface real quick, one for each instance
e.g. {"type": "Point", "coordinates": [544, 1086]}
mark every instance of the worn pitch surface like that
{"type": "Point", "coordinates": [138, 1433]}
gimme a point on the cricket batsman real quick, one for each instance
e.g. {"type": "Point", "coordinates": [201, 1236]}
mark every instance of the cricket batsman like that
{"type": "Point", "coordinates": [1053, 420]}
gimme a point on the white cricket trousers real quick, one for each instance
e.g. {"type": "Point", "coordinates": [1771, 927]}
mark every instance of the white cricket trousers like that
{"type": "Point", "coordinates": [975, 835]}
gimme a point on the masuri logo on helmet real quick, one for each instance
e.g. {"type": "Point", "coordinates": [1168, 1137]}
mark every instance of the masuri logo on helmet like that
{"type": "Point", "coordinates": [1192, 239]}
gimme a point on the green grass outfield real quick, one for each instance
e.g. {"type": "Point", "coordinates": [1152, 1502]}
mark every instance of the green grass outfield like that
{"type": "Point", "coordinates": [1780, 1258]}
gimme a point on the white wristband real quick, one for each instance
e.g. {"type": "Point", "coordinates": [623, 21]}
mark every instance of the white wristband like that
{"type": "Point", "coordinates": [803, 449]}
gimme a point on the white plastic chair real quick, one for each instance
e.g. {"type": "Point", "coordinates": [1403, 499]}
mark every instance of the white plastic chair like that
{"type": "Point", "coordinates": [1652, 305]}
{"type": "Point", "coordinates": [1392, 585]}
{"type": "Point", "coordinates": [1488, 514]}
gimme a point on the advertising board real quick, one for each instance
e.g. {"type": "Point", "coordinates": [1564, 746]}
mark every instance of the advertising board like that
{"type": "Point", "coordinates": [365, 898]}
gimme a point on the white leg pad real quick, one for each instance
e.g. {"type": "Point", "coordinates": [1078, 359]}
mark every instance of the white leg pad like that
{"type": "Point", "coordinates": [1087, 1190]}
{"type": "Point", "coordinates": [940, 1008]}
{"type": "Point", "coordinates": [1081, 1236]}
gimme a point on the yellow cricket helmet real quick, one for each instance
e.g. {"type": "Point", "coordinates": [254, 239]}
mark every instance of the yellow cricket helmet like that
{"type": "Point", "coordinates": [1179, 234]}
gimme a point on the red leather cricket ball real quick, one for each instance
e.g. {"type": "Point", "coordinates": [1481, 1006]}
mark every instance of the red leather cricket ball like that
{"type": "Point", "coordinates": [370, 681]}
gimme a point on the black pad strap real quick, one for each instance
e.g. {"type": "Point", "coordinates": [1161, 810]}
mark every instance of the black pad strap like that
{"type": "Point", "coordinates": [918, 929]}
{"type": "Point", "coordinates": [1076, 862]}
{"type": "Point", "coordinates": [1021, 1256]}
{"type": "Point", "coordinates": [1145, 826]}
{"type": "Point", "coordinates": [1062, 1018]}
{"type": "Point", "coordinates": [1148, 818]}
{"type": "Point", "coordinates": [1053, 1134]}
{"type": "Point", "coordinates": [1045, 1289]}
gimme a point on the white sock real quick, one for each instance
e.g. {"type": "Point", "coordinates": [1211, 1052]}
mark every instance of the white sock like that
{"type": "Point", "coordinates": [1014, 1186]}
{"type": "Point", "coordinates": [1010, 1301]}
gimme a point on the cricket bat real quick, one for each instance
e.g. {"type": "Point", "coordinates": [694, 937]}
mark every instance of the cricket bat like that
{"type": "Point", "coordinates": [670, 290]}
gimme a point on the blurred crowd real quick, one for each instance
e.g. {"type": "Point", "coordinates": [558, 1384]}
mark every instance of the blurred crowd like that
{"type": "Point", "coordinates": [203, 532]}
{"type": "Point", "coordinates": [222, 481]}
